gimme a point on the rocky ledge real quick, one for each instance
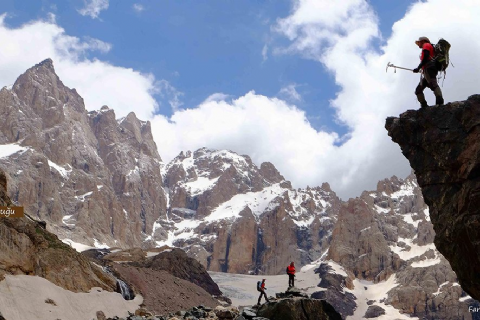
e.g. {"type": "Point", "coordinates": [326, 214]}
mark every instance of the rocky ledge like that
{"type": "Point", "coordinates": [443, 146]}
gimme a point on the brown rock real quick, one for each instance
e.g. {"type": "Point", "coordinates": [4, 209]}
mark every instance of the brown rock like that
{"type": "Point", "coordinates": [442, 146]}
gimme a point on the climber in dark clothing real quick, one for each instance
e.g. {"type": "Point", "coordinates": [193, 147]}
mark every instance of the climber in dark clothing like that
{"type": "Point", "coordinates": [262, 291]}
{"type": "Point", "coordinates": [430, 71]}
{"type": "Point", "coordinates": [291, 274]}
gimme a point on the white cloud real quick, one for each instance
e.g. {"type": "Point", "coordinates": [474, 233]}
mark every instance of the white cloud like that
{"type": "Point", "coordinates": [265, 128]}
{"type": "Point", "coordinates": [98, 82]}
{"type": "Point", "coordinates": [169, 92]}
{"type": "Point", "coordinates": [265, 52]}
{"type": "Point", "coordinates": [290, 92]}
{"type": "Point", "coordinates": [268, 129]}
{"type": "Point", "coordinates": [93, 8]}
{"type": "Point", "coordinates": [340, 38]}
{"type": "Point", "coordinates": [138, 7]}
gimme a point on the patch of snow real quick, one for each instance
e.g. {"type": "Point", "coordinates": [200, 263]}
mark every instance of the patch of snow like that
{"type": "Point", "coordinates": [152, 254]}
{"type": "Point", "coordinates": [414, 251]}
{"type": "Point", "coordinates": [427, 214]}
{"type": "Point", "coordinates": [258, 202]}
{"type": "Point", "coordinates": [99, 186]}
{"type": "Point", "coordinates": [381, 210]}
{"type": "Point", "coordinates": [337, 269]}
{"type": "Point", "coordinates": [304, 223]}
{"type": "Point", "coordinates": [406, 189]}
{"type": "Point", "coordinates": [367, 290]}
{"type": "Point", "coordinates": [99, 245]}
{"type": "Point", "coordinates": [66, 218]}
{"type": "Point", "coordinates": [323, 219]}
{"type": "Point", "coordinates": [408, 219]}
{"type": "Point", "coordinates": [134, 171]}
{"type": "Point", "coordinates": [83, 196]}
{"type": "Point", "coordinates": [181, 231]}
{"type": "Point", "coordinates": [63, 172]}
{"type": "Point", "coordinates": [467, 297]}
{"type": "Point", "coordinates": [25, 297]}
{"type": "Point", "coordinates": [77, 246]}
{"type": "Point", "coordinates": [7, 150]}
{"type": "Point", "coordinates": [200, 185]}
{"type": "Point", "coordinates": [440, 288]}
{"type": "Point", "coordinates": [426, 263]}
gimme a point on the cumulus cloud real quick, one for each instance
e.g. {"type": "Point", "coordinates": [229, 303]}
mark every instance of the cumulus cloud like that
{"type": "Point", "coordinates": [93, 8]}
{"type": "Point", "coordinates": [98, 82]}
{"type": "Point", "coordinates": [341, 39]}
{"type": "Point", "coordinates": [267, 129]}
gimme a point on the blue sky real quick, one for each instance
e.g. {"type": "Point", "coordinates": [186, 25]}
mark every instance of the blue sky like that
{"type": "Point", "coordinates": [299, 83]}
{"type": "Point", "coordinates": [203, 47]}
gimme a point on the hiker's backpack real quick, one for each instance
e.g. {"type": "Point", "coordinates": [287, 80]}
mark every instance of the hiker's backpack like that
{"type": "Point", "coordinates": [259, 285]}
{"type": "Point", "coordinates": [442, 60]}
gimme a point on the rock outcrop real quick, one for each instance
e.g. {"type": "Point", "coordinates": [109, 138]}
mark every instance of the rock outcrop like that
{"type": "Point", "coordinates": [442, 145]}
{"type": "Point", "coordinates": [161, 291]}
{"type": "Point", "coordinates": [298, 309]}
{"type": "Point", "coordinates": [177, 263]}
{"type": "Point", "coordinates": [169, 280]}
{"type": "Point", "coordinates": [27, 248]}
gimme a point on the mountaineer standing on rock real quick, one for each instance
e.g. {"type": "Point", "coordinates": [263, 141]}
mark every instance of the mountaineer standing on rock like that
{"type": "Point", "coordinates": [291, 274]}
{"type": "Point", "coordinates": [261, 288]}
{"type": "Point", "coordinates": [430, 71]}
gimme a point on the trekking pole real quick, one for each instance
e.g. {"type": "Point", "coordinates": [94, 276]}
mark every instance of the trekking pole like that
{"type": "Point", "coordinates": [396, 67]}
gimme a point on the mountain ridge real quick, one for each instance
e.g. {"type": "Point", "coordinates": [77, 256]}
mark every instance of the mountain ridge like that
{"type": "Point", "coordinates": [111, 189]}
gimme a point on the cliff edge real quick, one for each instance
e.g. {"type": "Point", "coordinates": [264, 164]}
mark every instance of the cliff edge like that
{"type": "Point", "coordinates": [443, 146]}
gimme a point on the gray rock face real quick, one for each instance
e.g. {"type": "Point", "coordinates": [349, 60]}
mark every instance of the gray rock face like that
{"type": "Point", "coordinates": [245, 218]}
{"type": "Point", "coordinates": [383, 235]}
{"type": "Point", "coordinates": [89, 176]}
{"type": "Point", "coordinates": [99, 180]}
{"type": "Point", "coordinates": [27, 248]}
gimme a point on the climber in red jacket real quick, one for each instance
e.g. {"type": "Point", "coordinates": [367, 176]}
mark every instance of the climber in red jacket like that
{"type": "Point", "coordinates": [291, 274]}
{"type": "Point", "coordinates": [430, 71]}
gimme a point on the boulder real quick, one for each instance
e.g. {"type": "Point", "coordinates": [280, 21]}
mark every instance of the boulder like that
{"type": "Point", "coordinates": [374, 312]}
{"type": "Point", "coordinates": [298, 309]}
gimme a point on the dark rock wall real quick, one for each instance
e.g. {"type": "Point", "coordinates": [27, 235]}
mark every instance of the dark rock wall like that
{"type": "Point", "coordinates": [443, 147]}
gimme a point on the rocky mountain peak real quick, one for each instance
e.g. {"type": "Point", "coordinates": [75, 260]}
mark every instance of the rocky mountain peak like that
{"type": "Point", "coordinates": [92, 178]}
{"type": "Point", "coordinates": [443, 148]}
{"type": "Point", "coordinates": [47, 63]}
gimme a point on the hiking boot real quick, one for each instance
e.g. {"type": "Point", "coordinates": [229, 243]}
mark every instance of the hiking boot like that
{"type": "Point", "coordinates": [439, 101]}
{"type": "Point", "coordinates": [438, 96]}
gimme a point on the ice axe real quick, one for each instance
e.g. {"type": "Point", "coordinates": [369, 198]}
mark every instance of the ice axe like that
{"type": "Point", "coordinates": [396, 67]}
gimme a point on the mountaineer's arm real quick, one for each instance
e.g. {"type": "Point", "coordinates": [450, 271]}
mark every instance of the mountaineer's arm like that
{"type": "Point", "coordinates": [426, 56]}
